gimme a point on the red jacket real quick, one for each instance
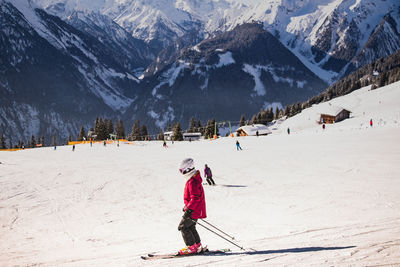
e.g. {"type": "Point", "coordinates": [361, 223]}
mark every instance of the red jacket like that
{"type": "Point", "coordinates": [194, 198]}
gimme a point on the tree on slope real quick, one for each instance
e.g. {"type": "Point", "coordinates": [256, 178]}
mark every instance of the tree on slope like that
{"type": "Point", "coordinates": [135, 134]}
{"type": "Point", "coordinates": [242, 121]}
{"type": "Point", "coordinates": [82, 134]}
{"type": "Point", "coordinates": [177, 134]}
{"type": "Point", "coordinates": [160, 136]}
{"type": "Point", "coordinates": [120, 129]}
{"type": "Point", "coordinates": [2, 142]}
{"type": "Point", "coordinates": [192, 126]}
{"type": "Point", "coordinates": [33, 142]}
{"type": "Point", "coordinates": [143, 132]}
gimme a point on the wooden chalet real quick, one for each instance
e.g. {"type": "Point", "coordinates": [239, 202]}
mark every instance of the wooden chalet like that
{"type": "Point", "coordinates": [334, 114]}
{"type": "Point", "coordinates": [251, 130]}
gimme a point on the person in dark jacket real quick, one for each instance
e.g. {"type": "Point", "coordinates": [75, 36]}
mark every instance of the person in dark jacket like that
{"type": "Point", "coordinates": [238, 145]}
{"type": "Point", "coordinates": [195, 207]}
{"type": "Point", "coordinates": [208, 175]}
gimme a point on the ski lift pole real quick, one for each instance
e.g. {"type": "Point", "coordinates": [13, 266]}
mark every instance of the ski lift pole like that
{"type": "Point", "coordinates": [215, 130]}
{"type": "Point", "coordinates": [218, 229]}
{"type": "Point", "coordinates": [220, 236]}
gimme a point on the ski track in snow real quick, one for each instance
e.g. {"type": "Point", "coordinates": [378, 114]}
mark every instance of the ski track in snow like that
{"type": "Point", "coordinates": [311, 198]}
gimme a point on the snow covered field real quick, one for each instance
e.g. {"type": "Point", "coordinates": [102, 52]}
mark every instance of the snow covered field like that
{"type": "Point", "coordinates": [313, 197]}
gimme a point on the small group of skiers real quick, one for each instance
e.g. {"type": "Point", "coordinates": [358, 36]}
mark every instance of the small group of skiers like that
{"type": "Point", "coordinates": [195, 205]}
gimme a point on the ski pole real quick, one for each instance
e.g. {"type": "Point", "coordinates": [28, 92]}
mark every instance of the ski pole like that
{"type": "Point", "coordinates": [220, 236]}
{"type": "Point", "coordinates": [218, 229]}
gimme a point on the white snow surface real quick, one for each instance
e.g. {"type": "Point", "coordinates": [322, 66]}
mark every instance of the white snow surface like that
{"type": "Point", "coordinates": [225, 59]}
{"type": "Point", "coordinates": [311, 198]}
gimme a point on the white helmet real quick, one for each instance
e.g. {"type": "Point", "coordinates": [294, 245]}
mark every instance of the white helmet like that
{"type": "Point", "coordinates": [187, 167]}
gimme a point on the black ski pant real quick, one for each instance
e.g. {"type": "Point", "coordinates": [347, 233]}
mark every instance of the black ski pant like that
{"type": "Point", "coordinates": [210, 181]}
{"type": "Point", "coordinates": [190, 235]}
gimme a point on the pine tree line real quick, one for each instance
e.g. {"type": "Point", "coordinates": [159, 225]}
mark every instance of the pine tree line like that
{"type": "Point", "coordinates": [377, 74]}
{"type": "Point", "coordinates": [380, 73]}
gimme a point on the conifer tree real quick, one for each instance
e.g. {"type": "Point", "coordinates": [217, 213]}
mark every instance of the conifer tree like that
{"type": "Point", "coordinates": [254, 120]}
{"type": "Point", "coordinates": [177, 134]}
{"type": "Point", "coordinates": [101, 130]}
{"type": "Point", "coordinates": [277, 113]}
{"type": "Point", "coordinates": [208, 130]}
{"type": "Point", "coordinates": [42, 142]}
{"type": "Point", "coordinates": [262, 117]}
{"type": "Point", "coordinates": [135, 134]}
{"type": "Point", "coordinates": [54, 140]}
{"type": "Point", "coordinates": [169, 127]}
{"type": "Point", "coordinates": [143, 133]}
{"type": "Point", "coordinates": [160, 136]}
{"type": "Point", "coordinates": [69, 138]}
{"type": "Point", "coordinates": [270, 115]}
{"type": "Point", "coordinates": [2, 142]}
{"type": "Point", "coordinates": [287, 111]}
{"type": "Point", "coordinates": [82, 134]}
{"type": "Point", "coordinates": [110, 127]}
{"type": "Point", "coordinates": [33, 142]}
{"type": "Point", "coordinates": [120, 130]}
{"type": "Point", "coordinates": [192, 126]}
{"type": "Point", "coordinates": [199, 127]}
{"type": "Point", "coordinates": [242, 121]}
{"type": "Point", "coordinates": [96, 126]}
{"type": "Point", "coordinates": [10, 145]}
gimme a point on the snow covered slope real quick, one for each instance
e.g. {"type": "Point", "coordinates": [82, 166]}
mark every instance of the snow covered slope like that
{"type": "Point", "coordinates": [311, 198]}
{"type": "Point", "coordinates": [382, 106]}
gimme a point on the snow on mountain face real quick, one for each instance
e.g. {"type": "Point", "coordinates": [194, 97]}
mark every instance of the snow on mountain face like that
{"type": "Point", "coordinates": [54, 74]}
{"type": "Point", "coordinates": [226, 76]}
{"type": "Point", "coordinates": [326, 35]}
{"type": "Point", "coordinates": [85, 52]}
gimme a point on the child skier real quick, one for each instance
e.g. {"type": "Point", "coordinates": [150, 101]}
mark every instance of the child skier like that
{"type": "Point", "coordinates": [195, 207]}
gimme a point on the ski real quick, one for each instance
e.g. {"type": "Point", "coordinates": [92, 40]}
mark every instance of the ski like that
{"type": "Point", "coordinates": [177, 255]}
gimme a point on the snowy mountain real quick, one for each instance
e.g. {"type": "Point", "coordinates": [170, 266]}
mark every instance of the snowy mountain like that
{"type": "Point", "coordinates": [329, 36]}
{"type": "Point", "coordinates": [97, 50]}
{"type": "Point", "coordinates": [225, 76]}
{"type": "Point", "coordinates": [311, 198]}
{"type": "Point", "coordinates": [55, 78]}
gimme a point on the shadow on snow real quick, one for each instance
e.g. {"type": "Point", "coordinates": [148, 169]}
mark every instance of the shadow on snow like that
{"type": "Point", "coordinates": [231, 185]}
{"type": "Point", "coordinates": [288, 250]}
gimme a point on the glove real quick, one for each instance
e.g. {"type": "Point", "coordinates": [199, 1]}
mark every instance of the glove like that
{"type": "Point", "coordinates": [187, 214]}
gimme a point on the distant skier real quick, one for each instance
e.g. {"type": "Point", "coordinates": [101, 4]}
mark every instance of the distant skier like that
{"type": "Point", "coordinates": [195, 207]}
{"type": "Point", "coordinates": [323, 126]}
{"type": "Point", "coordinates": [370, 122]}
{"type": "Point", "coordinates": [73, 147]}
{"type": "Point", "coordinates": [288, 130]}
{"type": "Point", "coordinates": [165, 144]}
{"type": "Point", "coordinates": [104, 143]}
{"type": "Point", "coordinates": [208, 175]}
{"type": "Point", "coordinates": [238, 145]}
{"type": "Point", "coordinates": [257, 133]}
